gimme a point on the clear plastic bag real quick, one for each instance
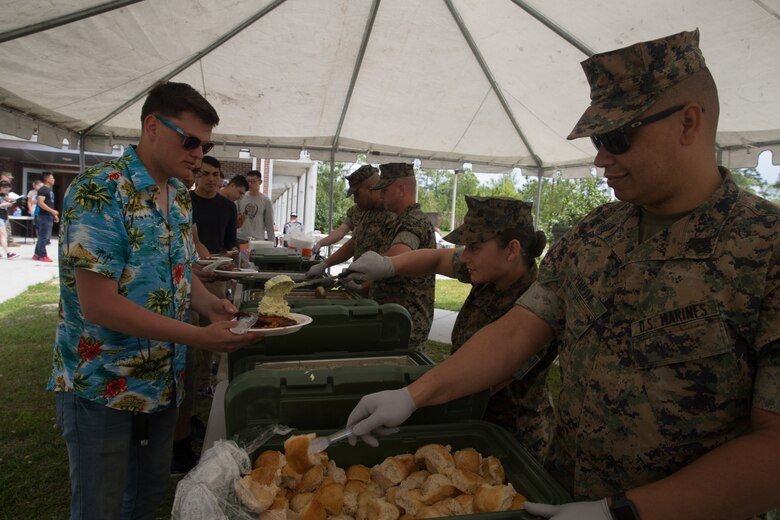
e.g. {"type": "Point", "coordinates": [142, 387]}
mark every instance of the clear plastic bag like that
{"type": "Point", "coordinates": [208, 491]}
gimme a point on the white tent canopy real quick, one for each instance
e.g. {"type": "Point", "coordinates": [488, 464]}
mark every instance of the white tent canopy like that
{"type": "Point", "coordinates": [495, 83]}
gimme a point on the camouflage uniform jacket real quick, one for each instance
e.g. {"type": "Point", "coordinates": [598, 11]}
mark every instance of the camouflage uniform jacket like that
{"type": "Point", "coordinates": [413, 229]}
{"type": "Point", "coordinates": [522, 406]}
{"type": "Point", "coordinates": [665, 345]}
{"type": "Point", "coordinates": [369, 228]}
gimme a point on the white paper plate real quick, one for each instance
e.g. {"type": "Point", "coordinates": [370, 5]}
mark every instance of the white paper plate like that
{"type": "Point", "coordinates": [212, 259]}
{"type": "Point", "coordinates": [302, 320]}
{"type": "Point", "coordinates": [243, 273]}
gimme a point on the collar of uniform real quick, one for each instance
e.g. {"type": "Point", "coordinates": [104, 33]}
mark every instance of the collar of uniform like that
{"type": "Point", "coordinates": [694, 236]}
{"type": "Point", "coordinates": [409, 209]}
{"type": "Point", "coordinates": [139, 176]}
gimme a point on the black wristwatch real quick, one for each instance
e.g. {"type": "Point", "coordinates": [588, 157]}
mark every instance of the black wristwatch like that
{"type": "Point", "coordinates": [622, 508]}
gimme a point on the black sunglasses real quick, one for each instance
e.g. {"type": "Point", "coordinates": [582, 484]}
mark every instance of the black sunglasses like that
{"type": "Point", "coordinates": [616, 141]}
{"type": "Point", "coordinates": [190, 142]}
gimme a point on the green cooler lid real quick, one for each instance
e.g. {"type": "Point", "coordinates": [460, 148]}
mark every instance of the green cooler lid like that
{"type": "Point", "coordinates": [336, 328]}
{"type": "Point", "coordinates": [324, 398]}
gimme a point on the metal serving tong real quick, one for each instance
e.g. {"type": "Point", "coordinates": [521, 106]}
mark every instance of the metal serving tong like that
{"type": "Point", "coordinates": [320, 444]}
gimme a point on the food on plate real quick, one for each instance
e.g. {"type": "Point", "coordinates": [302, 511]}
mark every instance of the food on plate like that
{"type": "Point", "coordinates": [273, 303]}
{"type": "Point", "coordinates": [426, 484]}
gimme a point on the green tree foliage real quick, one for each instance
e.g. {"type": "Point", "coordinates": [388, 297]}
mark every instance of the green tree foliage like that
{"type": "Point", "coordinates": [565, 201]}
{"type": "Point", "coordinates": [751, 180]}
{"type": "Point", "coordinates": [340, 201]}
{"type": "Point", "coordinates": [434, 193]}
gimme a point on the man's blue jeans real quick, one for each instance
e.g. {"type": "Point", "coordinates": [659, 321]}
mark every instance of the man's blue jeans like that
{"type": "Point", "coordinates": [45, 223]}
{"type": "Point", "coordinates": [111, 471]}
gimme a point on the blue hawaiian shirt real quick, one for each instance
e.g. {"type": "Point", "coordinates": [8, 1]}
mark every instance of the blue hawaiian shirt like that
{"type": "Point", "coordinates": [111, 225]}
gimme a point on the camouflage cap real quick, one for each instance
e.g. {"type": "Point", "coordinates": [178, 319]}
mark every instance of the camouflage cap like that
{"type": "Point", "coordinates": [626, 82]}
{"type": "Point", "coordinates": [392, 172]}
{"type": "Point", "coordinates": [488, 217]}
{"type": "Point", "coordinates": [359, 176]}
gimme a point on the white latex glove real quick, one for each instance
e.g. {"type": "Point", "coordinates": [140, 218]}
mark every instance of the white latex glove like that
{"type": "Point", "coordinates": [317, 270]}
{"type": "Point", "coordinates": [353, 286]}
{"type": "Point", "coordinates": [370, 266]}
{"type": "Point", "coordinates": [376, 413]}
{"type": "Point", "coordinates": [596, 510]}
{"type": "Point", "coordinates": [315, 249]}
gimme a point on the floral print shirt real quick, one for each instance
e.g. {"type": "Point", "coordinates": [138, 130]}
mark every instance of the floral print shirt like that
{"type": "Point", "coordinates": [111, 225]}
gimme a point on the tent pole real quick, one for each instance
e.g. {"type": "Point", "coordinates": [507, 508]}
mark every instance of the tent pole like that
{"type": "Point", "coordinates": [330, 202]}
{"type": "Point", "coordinates": [538, 199]}
{"type": "Point", "coordinates": [82, 147]}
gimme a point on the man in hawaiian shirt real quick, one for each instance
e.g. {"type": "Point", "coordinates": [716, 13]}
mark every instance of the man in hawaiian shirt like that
{"type": "Point", "coordinates": [126, 286]}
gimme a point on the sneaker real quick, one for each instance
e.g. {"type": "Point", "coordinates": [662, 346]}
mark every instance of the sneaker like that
{"type": "Point", "coordinates": [45, 259]}
{"type": "Point", "coordinates": [36, 257]}
{"type": "Point", "coordinates": [11, 256]}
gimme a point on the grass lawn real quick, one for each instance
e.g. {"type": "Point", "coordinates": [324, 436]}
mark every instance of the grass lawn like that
{"type": "Point", "coordinates": [450, 294]}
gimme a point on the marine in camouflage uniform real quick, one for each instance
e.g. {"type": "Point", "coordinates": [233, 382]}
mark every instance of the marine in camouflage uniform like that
{"type": "Point", "coordinates": [523, 406]}
{"type": "Point", "coordinates": [369, 227]}
{"type": "Point", "coordinates": [666, 344]}
{"type": "Point", "coordinates": [413, 229]}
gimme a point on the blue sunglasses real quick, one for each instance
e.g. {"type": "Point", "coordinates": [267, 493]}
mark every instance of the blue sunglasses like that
{"type": "Point", "coordinates": [190, 142]}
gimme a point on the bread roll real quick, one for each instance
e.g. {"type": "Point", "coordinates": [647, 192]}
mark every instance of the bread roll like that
{"type": "Point", "coordinates": [359, 472]}
{"type": "Point", "coordinates": [335, 473]}
{"type": "Point", "coordinates": [467, 503]}
{"type": "Point", "coordinates": [255, 496]}
{"type": "Point", "coordinates": [493, 471]}
{"type": "Point", "coordinates": [352, 489]}
{"type": "Point", "coordinates": [410, 500]}
{"type": "Point", "coordinates": [270, 458]}
{"type": "Point", "coordinates": [390, 472]}
{"type": "Point", "coordinates": [518, 502]}
{"type": "Point", "coordinates": [266, 475]}
{"type": "Point", "coordinates": [341, 517]}
{"type": "Point", "coordinates": [296, 452]}
{"type": "Point", "coordinates": [448, 507]}
{"type": "Point", "coordinates": [331, 496]}
{"type": "Point", "coordinates": [415, 480]}
{"type": "Point", "coordinates": [300, 500]}
{"type": "Point", "coordinates": [277, 510]}
{"type": "Point", "coordinates": [436, 457]}
{"type": "Point", "coordinates": [314, 510]}
{"type": "Point", "coordinates": [289, 478]}
{"type": "Point", "coordinates": [436, 487]}
{"type": "Point", "coordinates": [468, 459]}
{"type": "Point", "coordinates": [489, 498]}
{"type": "Point", "coordinates": [311, 479]}
{"type": "Point", "coordinates": [380, 509]}
{"type": "Point", "coordinates": [465, 481]}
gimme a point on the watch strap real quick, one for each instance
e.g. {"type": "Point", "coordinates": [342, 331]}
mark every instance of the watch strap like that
{"type": "Point", "coordinates": [622, 508]}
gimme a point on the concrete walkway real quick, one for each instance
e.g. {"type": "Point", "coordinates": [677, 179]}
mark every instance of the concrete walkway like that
{"type": "Point", "coordinates": [19, 274]}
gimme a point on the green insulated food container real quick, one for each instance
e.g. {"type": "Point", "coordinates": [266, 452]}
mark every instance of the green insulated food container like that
{"type": "Point", "coordinates": [339, 335]}
{"type": "Point", "coordinates": [320, 401]}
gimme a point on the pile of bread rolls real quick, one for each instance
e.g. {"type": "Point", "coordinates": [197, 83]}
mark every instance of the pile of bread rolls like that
{"type": "Point", "coordinates": [432, 482]}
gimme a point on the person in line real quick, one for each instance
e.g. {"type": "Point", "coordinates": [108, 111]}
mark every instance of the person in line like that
{"type": "Point", "coordinates": [6, 202]}
{"type": "Point", "coordinates": [126, 287]}
{"type": "Point", "coordinates": [235, 189]}
{"type": "Point", "coordinates": [47, 216]}
{"type": "Point", "coordinates": [666, 306]}
{"type": "Point", "coordinates": [214, 215]}
{"type": "Point", "coordinates": [32, 203]}
{"type": "Point", "coordinates": [367, 218]}
{"type": "Point", "coordinates": [497, 248]}
{"type": "Point", "coordinates": [257, 211]}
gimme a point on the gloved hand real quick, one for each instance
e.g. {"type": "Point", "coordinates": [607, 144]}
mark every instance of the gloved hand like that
{"type": "Point", "coordinates": [375, 413]}
{"type": "Point", "coordinates": [315, 249]}
{"type": "Point", "coordinates": [353, 286]}
{"type": "Point", "coordinates": [317, 270]}
{"type": "Point", "coordinates": [370, 266]}
{"type": "Point", "coordinates": [596, 510]}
